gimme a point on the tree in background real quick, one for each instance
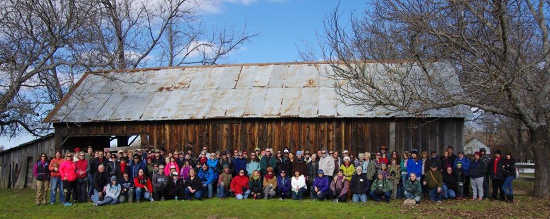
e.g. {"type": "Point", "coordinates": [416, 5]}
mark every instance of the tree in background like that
{"type": "Point", "coordinates": [498, 50]}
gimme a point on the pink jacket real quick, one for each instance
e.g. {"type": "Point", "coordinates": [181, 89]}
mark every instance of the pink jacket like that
{"type": "Point", "coordinates": [67, 170]}
{"type": "Point", "coordinates": [169, 166]}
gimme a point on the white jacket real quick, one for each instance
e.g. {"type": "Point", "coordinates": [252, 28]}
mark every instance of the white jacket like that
{"type": "Point", "coordinates": [298, 183]}
{"type": "Point", "coordinates": [327, 165]}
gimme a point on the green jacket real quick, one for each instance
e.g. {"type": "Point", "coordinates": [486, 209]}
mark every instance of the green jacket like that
{"type": "Point", "coordinates": [413, 187]}
{"type": "Point", "coordinates": [433, 179]}
{"type": "Point", "coordinates": [268, 162]}
{"type": "Point", "coordinates": [394, 173]}
{"type": "Point", "coordinates": [384, 184]}
{"type": "Point", "coordinates": [370, 170]}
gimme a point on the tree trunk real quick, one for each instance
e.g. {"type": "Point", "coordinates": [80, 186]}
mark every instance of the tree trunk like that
{"type": "Point", "coordinates": [541, 146]}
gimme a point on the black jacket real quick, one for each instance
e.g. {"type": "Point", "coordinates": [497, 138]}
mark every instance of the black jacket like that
{"type": "Point", "coordinates": [195, 183]}
{"type": "Point", "coordinates": [498, 174]}
{"type": "Point", "coordinates": [508, 167]}
{"type": "Point", "coordinates": [159, 181]}
{"type": "Point", "coordinates": [477, 169]}
{"type": "Point", "coordinates": [255, 185]}
{"type": "Point", "coordinates": [175, 188]}
{"type": "Point", "coordinates": [359, 184]}
{"type": "Point", "coordinates": [94, 163]}
{"type": "Point", "coordinates": [101, 180]}
{"type": "Point", "coordinates": [113, 168]}
{"type": "Point", "coordinates": [450, 180]}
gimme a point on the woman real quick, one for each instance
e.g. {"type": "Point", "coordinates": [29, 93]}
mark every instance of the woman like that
{"type": "Point", "coordinates": [270, 184]}
{"type": "Point", "coordinates": [394, 176]}
{"type": "Point", "coordinates": [172, 164]}
{"type": "Point", "coordinates": [509, 172]}
{"type": "Point", "coordinates": [207, 177]}
{"type": "Point", "coordinates": [67, 170]}
{"type": "Point", "coordinates": [212, 162]}
{"type": "Point", "coordinates": [369, 167]}
{"type": "Point", "coordinates": [320, 186]}
{"type": "Point", "coordinates": [298, 184]}
{"type": "Point", "coordinates": [283, 185]}
{"type": "Point", "coordinates": [239, 186]}
{"type": "Point", "coordinates": [347, 168]}
{"type": "Point", "coordinates": [255, 186]}
{"type": "Point", "coordinates": [193, 186]}
{"type": "Point", "coordinates": [359, 186]}
{"type": "Point", "coordinates": [253, 164]}
{"type": "Point", "coordinates": [449, 184]}
{"type": "Point", "coordinates": [112, 192]}
{"type": "Point", "coordinates": [312, 169]}
{"type": "Point", "coordinates": [339, 187]}
{"type": "Point", "coordinates": [383, 159]}
{"type": "Point", "coordinates": [184, 171]}
{"type": "Point", "coordinates": [42, 175]}
{"type": "Point", "coordinates": [143, 186]}
{"type": "Point", "coordinates": [403, 167]}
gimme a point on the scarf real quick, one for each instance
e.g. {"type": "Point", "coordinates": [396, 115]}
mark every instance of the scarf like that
{"type": "Point", "coordinates": [269, 176]}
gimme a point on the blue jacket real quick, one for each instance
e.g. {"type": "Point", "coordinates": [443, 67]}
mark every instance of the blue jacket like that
{"type": "Point", "coordinates": [321, 183]}
{"type": "Point", "coordinates": [283, 186]}
{"type": "Point", "coordinates": [134, 168]}
{"type": "Point", "coordinates": [238, 165]}
{"type": "Point", "coordinates": [208, 176]}
{"type": "Point", "coordinates": [212, 164]}
{"type": "Point", "coordinates": [414, 167]}
{"type": "Point", "coordinates": [465, 164]}
{"type": "Point", "coordinates": [251, 166]}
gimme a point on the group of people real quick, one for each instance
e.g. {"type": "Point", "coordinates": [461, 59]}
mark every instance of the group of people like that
{"type": "Point", "coordinates": [153, 175]}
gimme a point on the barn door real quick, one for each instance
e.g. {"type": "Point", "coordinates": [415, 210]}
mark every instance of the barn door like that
{"type": "Point", "coordinates": [28, 172]}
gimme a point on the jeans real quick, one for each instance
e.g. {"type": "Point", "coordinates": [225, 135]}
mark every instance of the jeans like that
{"type": "Point", "coordinates": [507, 185]}
{"type": "Point", "coordinates": [298, 195]}
{"type": "Point", "coordinates": [386, 196]}
{"type": "Point", "coordinates": [95, 196]}
{"type": "Point", "coordinates": [146, 195]}
{"type": "Point", "coordinates": [434, 195]}
{"type": "Point", "coordinates": [497, 186]}
{"type": "Point", "coordinates": [107, 200]}
{"type": "Point", "coordinates": [485, 186]}
{"type": "Point", "coordinates": [477, 187]}
{"type": "Point", "coordinates": [409, 195]}
{"type": "Point", "coordinates": [90, 184]}
{"type": "Point", "coordinates": [210, 189]}
{"type": "Point", "coordinates": [359, 197]}
{"type": "Point", "coordinates": [221, 192]}
{"type": "Point", "coordinates": [318, 196]}
{"type": "Point", "coordinates": [448, 193]}
{"type": "Point", "coordinates": [55, 184]}
{"type": "Point", "coordinates": [244, 195]}
{"type": "Point", "coordinates": [190, 195]}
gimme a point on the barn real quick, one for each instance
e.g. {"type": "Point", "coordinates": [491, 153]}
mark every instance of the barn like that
{"type": "Point", "coordinates": [240, 106]}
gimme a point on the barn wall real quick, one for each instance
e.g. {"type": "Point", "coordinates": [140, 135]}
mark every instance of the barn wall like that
{"type": "Point", "coordinates": [16, 164]}
{"type": "Point", "coordinates": [356, 135]}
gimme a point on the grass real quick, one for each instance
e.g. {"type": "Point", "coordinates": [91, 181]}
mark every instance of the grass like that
{"type": "Point", "coordinates": [19, 204]}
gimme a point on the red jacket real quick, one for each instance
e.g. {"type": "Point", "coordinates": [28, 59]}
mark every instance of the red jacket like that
{"type": "Point", "coordinates": [67, 170]}
{"type": "Point", "coordinates": [56, 162]}
{"type": "Point", "coordinates": [238, 183]}
{"type": "Point", "coordinates": [142, 185]}
{"type": "Point", "coordinates": [81, 167]}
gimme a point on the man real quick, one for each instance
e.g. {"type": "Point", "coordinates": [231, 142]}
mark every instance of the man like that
{"type": "Point", "coordinates": [299, 164]}
{"type": "Point", "coordinates": [41, 173]}
{"type": "Point", "coordinates": [207, 177]}
{"type": "Point", "coordinates": [239, 163]}
{"type": "Point", "coordinates": [414, 166]}
{"type": "Point", "coordinates": [326, 163]}
{"type": "Point", "coordinates": [478, 170]}
{"type": "Point", "coordinates": [497, 177]}
{"type": "Point", "coordinates": [224, 180]}
{"type": "Point", "coordinates": [113, 166]}
{"type": "Point", "coordinates": [135, 165]}
{"type": "Point", "coordinates": [434, 183]}
{"type": "Point", "coordinates": [412, 189]}
{"type": "Point", "coordinates": [452, 156]}
{"type": "Point", "coordinates": [283, 185]}
{"type": "Point", "coordinates": [90, 153]}
{"type": "Point", "coordinates": [337, 162]}
{"type": "Point", "coordinates": [267, 161]}
{"type": "Point", "coordinates": [381, 188]}
{"type": "Point", "coordinates": [485, 159]}
{"type": "Point", "coordinates": [160, 182]}
{"type": "Point", "coordinates": [368, 167]}
{"type": "Point", "coordinates": [55, 179]}
{"type": "Point", "coordinates": [434, 159]}
{"type": "Point", "coordinates": [127, 186]}
{"type": "Point", "coordinates": [359, 185]}
{"type": "Point", "coordinates": [461, 159]}
{"type": "Point", "coordinates": [176, 188]}
{"type": "Point", "coordinates": [101, 179]}
{"type": "Point", "coordinates": [93, 163]}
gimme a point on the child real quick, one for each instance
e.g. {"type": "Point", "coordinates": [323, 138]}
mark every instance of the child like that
{"type": "Point", "coordinates": [460, 179]}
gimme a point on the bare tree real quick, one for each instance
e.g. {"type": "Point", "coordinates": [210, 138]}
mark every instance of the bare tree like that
{"type": "Point", "coordinates": [34, 36]}
{"type": "Point", "coordinates": [498, 50]}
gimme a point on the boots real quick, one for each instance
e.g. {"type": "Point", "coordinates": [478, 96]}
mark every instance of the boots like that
{"type": "Point", "coordinates": [510, 198]}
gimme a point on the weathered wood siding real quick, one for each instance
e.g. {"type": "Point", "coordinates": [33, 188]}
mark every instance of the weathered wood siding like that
{"type": "Point", "coordinates": [16, 164]}
{"type": "Point", "coordinates": [356, 135]}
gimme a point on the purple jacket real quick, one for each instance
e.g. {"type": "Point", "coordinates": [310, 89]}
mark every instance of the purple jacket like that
{"type": "Point", "coordinates": [321, 183]}
{"type": "Point", "coordinates": [283, 186]}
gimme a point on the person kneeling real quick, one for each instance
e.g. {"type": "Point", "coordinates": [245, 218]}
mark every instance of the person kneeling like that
{"type": "Point", "coordinates": [434, 183]}
{"type": "Point", "coordinates": [175, 188]}
{"type": "Point", "coordinates": [112, 191]}
{"type": "Point", "coordinates": [320, 186]}
{"type": "Point", "coordinates": [270, 184]}
{"type": "Point", "coordinates": [359, 185]}
{"type": "Point", "coordinates": [224, 180]}
{"type": "Point", "coordinates": [193, 186]}
{"type": "Point", "coordinates": [412, 190]}
{"type": "Point", "coordinates": [381, 188]}
{"type": "Point", "coordinates": [339, 187]}
{"type": "Point", "coordinates": [298, 183]}
{"type": "Point", "coordinates": [239, 186]}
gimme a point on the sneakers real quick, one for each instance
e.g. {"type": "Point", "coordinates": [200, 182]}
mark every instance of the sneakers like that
{"type": "Point", "coordinates": [67, 204]}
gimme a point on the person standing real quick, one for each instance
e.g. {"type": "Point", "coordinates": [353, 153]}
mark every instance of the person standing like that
{"type": "Point", "coordinates": [394, 176]}
{"type": "Point", "coordinates": [56, 184]}
{"type": "Point", "coordinates": [67, 171]}
{"type": "Point", "coordinates": [465, 161]}
{"type": "Point", "coordinates": [268, 161]}
{"type": "Point", "coordinates": [509, 172]}
{"type": "Point", "coordinates": [41, 173]}
{"type": "Point", "coordinates": [81, 191]}
{"type": "Point", "coordinates": [326, 163]}
{"type": "Point", "coordinates": [486, 161]}
{"type": "Point", "coordinates": [478, 170]}
{"type": "Point", "coordinates": [497, 177]}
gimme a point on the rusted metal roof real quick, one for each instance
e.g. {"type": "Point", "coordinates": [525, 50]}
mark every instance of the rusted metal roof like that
{"type": "Point", "coordinates": [302, 90]}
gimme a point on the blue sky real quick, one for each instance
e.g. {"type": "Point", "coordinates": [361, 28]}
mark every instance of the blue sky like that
{"type": "Point", "coordinates": [283, 27]}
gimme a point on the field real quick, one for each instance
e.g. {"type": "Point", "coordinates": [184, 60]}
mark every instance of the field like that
{"type": "Point", "coordinates": [20, 204]}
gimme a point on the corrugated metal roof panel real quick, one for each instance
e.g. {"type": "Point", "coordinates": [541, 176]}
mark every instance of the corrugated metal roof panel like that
{"type": "Point", "coordinates": [235, 91]}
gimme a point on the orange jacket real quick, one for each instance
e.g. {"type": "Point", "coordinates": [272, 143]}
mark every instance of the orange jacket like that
{"type": "Point", "coordinates": [55, 163]}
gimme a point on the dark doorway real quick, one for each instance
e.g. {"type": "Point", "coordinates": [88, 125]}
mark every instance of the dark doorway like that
{"type": "Point", "coordinates": [28, 172]}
